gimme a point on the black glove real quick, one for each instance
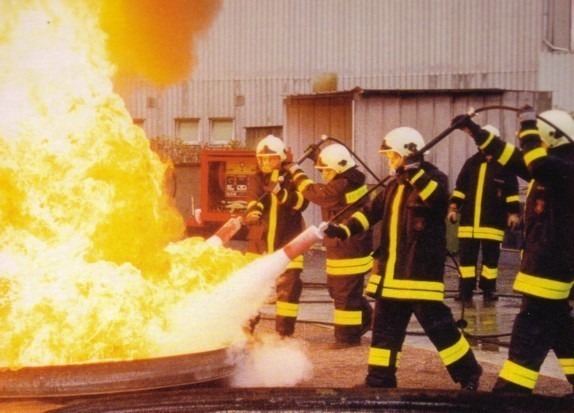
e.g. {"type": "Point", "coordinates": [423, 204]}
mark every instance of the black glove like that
{"type": "Point", "coordinates": [526, 113]}
{"type": "Point", "coordinates": [252, 219]}
{"type": "Point", "coordinates": [314, 154]}
{"type": "Point", "coordinates": [292, 168]}
{"type": "Point", "coordinates": [465, 121]}
{"type": "Point", "coordinates": [335, 231]}
{"type": "Point", "coordinates": [411, 163]}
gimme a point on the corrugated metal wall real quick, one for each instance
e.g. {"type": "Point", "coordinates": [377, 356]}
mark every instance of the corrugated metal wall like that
{"type": "Point", "coordinates": [259, 51]}
{"type": "Point", "coordinates": [557, 74]}
{"type": "Point", "coordinates": [375, 113]}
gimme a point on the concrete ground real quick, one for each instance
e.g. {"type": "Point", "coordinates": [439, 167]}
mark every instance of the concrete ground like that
{"type": "Point", "coordinates": [488, 330]}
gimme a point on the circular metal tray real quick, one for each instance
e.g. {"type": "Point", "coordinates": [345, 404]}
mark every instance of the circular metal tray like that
{"type": "Point", "coordinates": [116, 376]}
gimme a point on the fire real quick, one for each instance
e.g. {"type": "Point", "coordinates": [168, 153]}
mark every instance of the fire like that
{"type": "Point", "coordinates": [93, 265]}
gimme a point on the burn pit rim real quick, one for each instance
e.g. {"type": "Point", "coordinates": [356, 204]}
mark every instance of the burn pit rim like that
{"type": "Point", "coordinates": [117, 376]}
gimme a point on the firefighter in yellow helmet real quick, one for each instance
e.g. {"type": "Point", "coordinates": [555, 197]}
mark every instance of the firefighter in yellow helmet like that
{"type": "Point", "coordinates": [484, 201]}
{"type": "Point", "coordinates": [347, 260]}
{"type": "Point", "coordinates": [546, 274]}
{"type": "Point", "coordinates": [407, 276]}
{"type": "Point", "coordinates": [274, 217]}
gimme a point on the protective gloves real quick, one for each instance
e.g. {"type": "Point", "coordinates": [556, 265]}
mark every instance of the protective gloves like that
{"type": "Point", "coordinates": [252, 219]}
{"type": "Point", "coordinates": [411, 163]}
{"type": "Point", "coordinates": [292, 168]}
{"type": "Point", "coordinates": [336, 231]}
{"type": "Point", "coordinates": [465, 123]}
{"type": "Point", "coordinates": [513, 221]}
{"type": "Point", "coordinates": [526, 113]}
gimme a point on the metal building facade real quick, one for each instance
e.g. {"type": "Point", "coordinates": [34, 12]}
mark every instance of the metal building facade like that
{"type": "Point", "coordinates": [259, 51]}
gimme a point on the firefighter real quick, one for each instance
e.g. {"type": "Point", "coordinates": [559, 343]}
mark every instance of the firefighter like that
{"type": "Point", "coordinates": [485, 201]}
{"type": "Point", "coordinates": [347, 261]}
{"type": "Point", "coordinates": [274, 217]}
{"type": "Point", "coordinates": [409, 265]}
{"type": "Point", "coordinates": [546, 276]}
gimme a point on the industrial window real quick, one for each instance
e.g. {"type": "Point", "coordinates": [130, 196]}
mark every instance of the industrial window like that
{"type": "Point", "coordinates": [221, 130]}
{"type": "Point", "coordinates": [559, 29]}
{"type": "Point", "coordinates": [187, 130]}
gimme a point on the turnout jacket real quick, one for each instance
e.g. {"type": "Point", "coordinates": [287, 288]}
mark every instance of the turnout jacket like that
{"type": "Point", "coordinates": [344, 257]}
{"type": "Point", "coordinates": [281, 214]}
{"type": "Point", "coordinates": [484, 193]}
{"type": "Point", "coordinates": [410, 261]}
{"type": "Point", "coordinates": [547, 265]}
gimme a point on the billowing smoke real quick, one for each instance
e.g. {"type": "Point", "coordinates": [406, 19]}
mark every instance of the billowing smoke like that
{"type": "Point", "coordinates": [155, 39]}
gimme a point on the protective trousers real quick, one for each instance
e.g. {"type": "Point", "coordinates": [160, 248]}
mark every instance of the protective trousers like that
{"type": "Point", "coordinates": [468, 253]}
{"type": "Point", "coordinates": [353, 313]}
{"type": "Point", "coordinates": [540, 326]}
{"type": "Point", "coordinates": [390, 322]}
{"type": "Point", "coordinates": [289, 287]}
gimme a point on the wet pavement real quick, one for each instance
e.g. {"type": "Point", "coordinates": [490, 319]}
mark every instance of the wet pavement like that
{"type": "Point", "coordinates": [489, 324]}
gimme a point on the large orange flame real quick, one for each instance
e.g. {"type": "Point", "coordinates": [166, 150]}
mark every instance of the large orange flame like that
{"type": "Point", "coordinates": [92, 261]}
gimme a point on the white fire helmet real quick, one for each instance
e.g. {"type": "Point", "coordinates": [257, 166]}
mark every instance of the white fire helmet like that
{"type": "Point", "coordinates": [403, 141]}
{"type": "Point", "coordinates": [336, 157]}
{"type": "Point", "coordinates": [562, 120]}
{"type": "Point", "coordinates": [492, 130]}
{"type": "Point", "coordinates": [271, 146]}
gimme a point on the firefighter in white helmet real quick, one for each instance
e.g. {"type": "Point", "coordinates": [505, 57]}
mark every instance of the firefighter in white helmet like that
{"type": "Point", "coordinates": [407, 276]}
{"type": "Point", "coordinates": [484, 201]}
{"type": "Point", "coordinates": [347, 261]}
{"type": "Point", "coordinates": [274, 217]}
{"type": "Point", "coordinates": [546, 274]}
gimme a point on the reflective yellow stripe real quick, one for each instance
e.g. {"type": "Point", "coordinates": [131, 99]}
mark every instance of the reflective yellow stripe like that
{"type": "Point", "coordinates": [542, 287]}
{"type": "Point", "coordinates": [567, 366]}
{"type": "Point", "coordinates": [455, 352]}
{"type": "Point", "coordinates": [346, 229]}
{"type": "Point", "coordinates": [300, 200]}
{"type": "Point", "coordinates": [468, 271]}
{"type": "Point", "coordinates": [348, 318]}
{"type": "Point", "coordinates": [489, 273]}
{"type": "Point", "coordinates": [272, 216]}
{"type": "Point", "coordinates": [286, 309]}
{"type": "Point", "coordinates": [382, 357]}
{"type": "Point", "coordinates": [482, 233]}
{"type": "Point", "coordinates": [513, 198]}
{"type": "Point", "coordinates": [506, 154]}
{"type": "Point", "coordinates": [489, 233]}
{"type": "Point", "coordinates": [519, 375]}
{"type": "Point", "coordinates": [525, 132]}
{"type": "Point", "coordinates": [359, 216]}
{"type": "Point", "coordinates": [393, 233]}
{"type": "Point", "coordinates": [533, 155]}
{"type": "Point", "coordinates": [373, 283]}
{"type": "Point", "coordinates": [304, 184]}
{"type": "Point", "coordinates": [407, 294]}
{"type": "Point", "coordinates": [429, 189]}
{"type": "Point", "coordinates": [255, 203]}
{"type": "Point", "coordinates": [417, 176]}
{"type": "Point", "coordinates": [465, 232]}
{"type": "Point", "coordinates": [479, 190]}
{"type": "Point", "coordinates": [296, 263]}
{"type": "Point", "coordinates": [355, 195]}
{"type": "Point", "coordinates": [458, 194]}
{"type": "Point", "coordinates": [487, 141]}
{"type": "Point", "coordinates": [349, 266]}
